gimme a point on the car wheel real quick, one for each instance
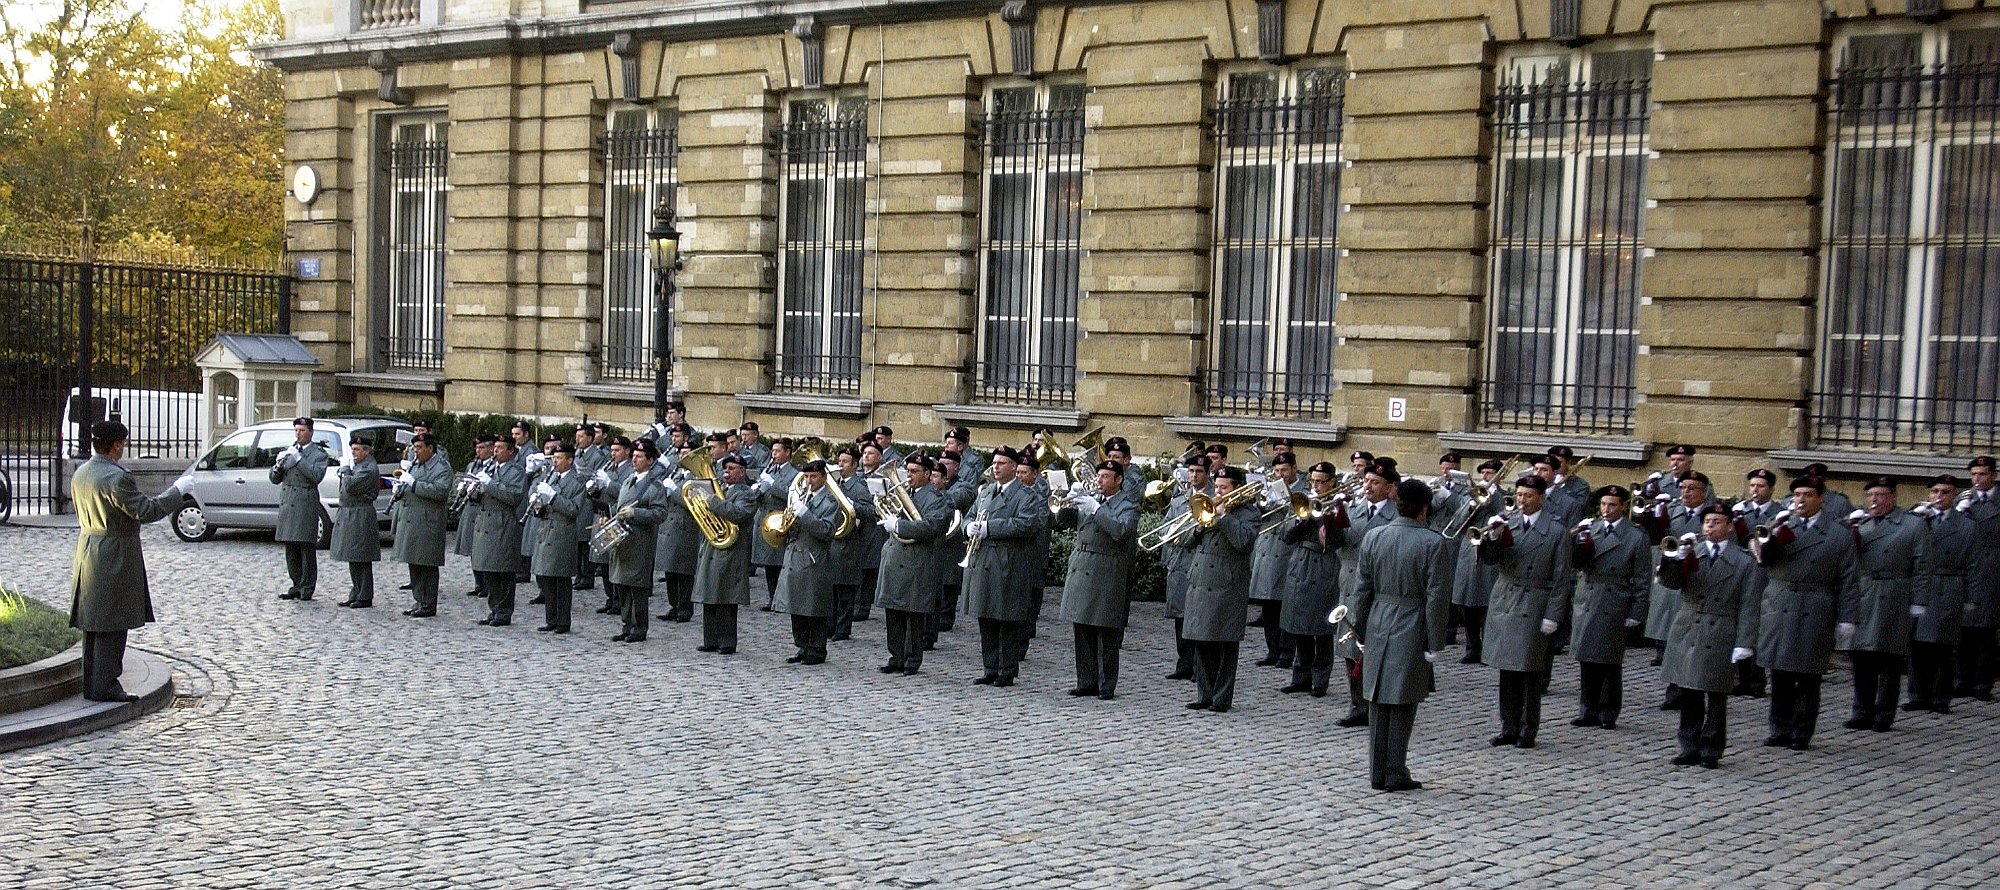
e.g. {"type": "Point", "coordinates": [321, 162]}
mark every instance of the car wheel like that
{"type": "Point", "coordinates": [190, 525]}
{"type": "Point", "coordinates": [323, 532]}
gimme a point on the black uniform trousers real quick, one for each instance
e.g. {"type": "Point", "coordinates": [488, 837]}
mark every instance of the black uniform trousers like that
{"type": "Point", "coordinates": [1878, 685]}
{"type": "Point", "coordinates": [1215, 673]}
{"type": "Point", "coordinates": [302, 564]}
{"type": "Point", "coordinates": [809, 635]}
{"type": "Point", "coordinates": [1794, 706]}
{"type": "Point", "coordinates": [1097, 651]}
{"type": "Point", "coordinates": [498, 588]}
{"type": "Point", "coordinates": [103, 662]}
{"type": "Point", "coordinates": [999, 650]}
{"type": "Point", "coordinates": [1931, 666]}
{"type": "Point", "coordinates": [1312, 661]}
{"type": "Point", "coordinates": [1183, 653]}
{"type": "Point", "coordinates": [864, 600]}
{"type": "Point", "coordinates": [424, 587]}
{"type": "Point", "coordinates": [361, 578]}
{"type": "Point", "coordinates": [1602, 691]}
{"type": "Point", "coordinates": [1357, 707]}
{"type": "Point", "coordinates": [1975, 662]}
{"type": "Point", "coordinates": [1389, 728]}
{"type": "Point", "coordinates": [1475, 632]}
{"type": "Point", "coordinates": [1704, 723]}
{"type": "Point", "coordinates": [633, 605]}
{"type": "Point", "coordinates": [906, 632]}
{"type": "Point", "coordinates": [556, 599]}
{"type": "Point", "coordinates": [1521, 702]}
{"type": "Point", "coordinates": [586, 571]}
{"type": "Point", "coordinates": [947, 612]}
{"type": "Point", "coordinates": [718, 626]}
{"type": "Point", "coordinates": [1749, 680]}
{"type": "Point", "coordinates": [1277, 648]}
{"type": "Point", "coordinates": [680, 597]}
{"type": "Point", "coordinates": [841, 625]}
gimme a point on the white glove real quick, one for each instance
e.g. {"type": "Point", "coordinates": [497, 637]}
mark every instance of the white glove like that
{"type": "Point", "coordinates": [1581, 525]}
{"type": "Point", "coordinates": [1549, 627]}
{"type": "Point", "coordinates": [405, 465]}
{"type": "Point", "coordinates": [1916, 611]}
{"type": "Point", "coordinates": [1430, 656]}
{"type": "Point", "coordinates": [764, 479]}
{"type": "Point", "coordinates": [1857, 516]}
{"type": "Point", "coordinates": [602, 478]}
{"type": "Point", "coordinates": [185, 484]}
{"type": "Point", "coordinates": [1180, 474]}
{"type": "Point", "coordinates": [399, 483]}
{"type": "Point", "coordinates": [889, 524]}
{"type": "Point", "coordinates": [1740, 654]}
{"type": "Point", "coordinates": [1086, 507]}
{"type": "Point", "coordinates": [976, 529]}
{"type": "Point", "coordinates": [482, 477]}
{"type": "Point", "coordinates": [669, 486]}
{"type": "Point", "coordinates": [794, 502]}
{"type": "Point", "coordinates": [545, 490]}
{"type": "Point", "coordinates": [1843, 633]}
{"type": "Point", "coordinates": [625, 513]}
{"type": "Point", "coordinates": [1496, 523]}
{"type": "Point", "coordinates": [345, 471]}
{"type": "Point", "coordinates": [1631, 622]}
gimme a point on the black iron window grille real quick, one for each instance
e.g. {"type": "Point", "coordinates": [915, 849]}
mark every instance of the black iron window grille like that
{"type": "Point", "coordinates": [1563, 299]}
{"type": "Point", "coordinates": [640, 148]}
{"type": "Point", "coordinates": [1278, 139]}
{"type": "Point", "coordinates": [823, 177]}
{"type": "Point", "coordinates": [1030, 246]}
{"type": "Point", "coordinates": [1909, 342]}
{"type": "Point", "coordinates": [412, 286]}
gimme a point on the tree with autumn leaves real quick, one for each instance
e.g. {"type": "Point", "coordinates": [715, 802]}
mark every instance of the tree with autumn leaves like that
{"type": "Point", "coordinates": [156, 138]}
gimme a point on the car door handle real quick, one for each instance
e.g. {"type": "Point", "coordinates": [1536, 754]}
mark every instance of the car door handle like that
{"type": "Point", "coordinates": [241, 481]}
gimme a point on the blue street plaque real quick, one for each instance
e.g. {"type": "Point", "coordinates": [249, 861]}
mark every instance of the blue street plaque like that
{"type": "Point", "coordinates": [309, 267]}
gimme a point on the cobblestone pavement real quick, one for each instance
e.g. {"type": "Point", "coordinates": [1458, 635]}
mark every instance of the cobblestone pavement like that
{"type": "Point", "coordinates": [323, 747]}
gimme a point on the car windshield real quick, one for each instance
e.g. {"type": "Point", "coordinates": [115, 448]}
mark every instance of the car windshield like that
{"type": "Point", "coordinates": [387, 450]}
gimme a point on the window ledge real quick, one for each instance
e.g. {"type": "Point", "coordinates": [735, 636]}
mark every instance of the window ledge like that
{"type": "Point", "coordinates": [393, 381]}
{"type": "Point", "coordinates": [1869, 463]}
{"type": "Point", "coordinates": [1022, 416]}
{"type": "Point", "coordinates": [621, 393]}
{"type": "Point", "coordinates": [798, 403]}
{"type": "Point", "coordinates": [1618, 451]}
{"type": "Point", "coordinates": [1231, 426]}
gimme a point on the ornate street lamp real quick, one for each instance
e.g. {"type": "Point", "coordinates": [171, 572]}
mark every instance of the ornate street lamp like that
{"type": "Point", "coordinates": [663, 241]}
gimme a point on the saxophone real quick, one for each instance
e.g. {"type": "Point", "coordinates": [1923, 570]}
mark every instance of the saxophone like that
{"type": "Point", "coordinates": [720, 532]}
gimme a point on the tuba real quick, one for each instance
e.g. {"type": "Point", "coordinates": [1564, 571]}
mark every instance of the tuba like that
{"type": "Point", "coordinates": [720, 532]}
{"type": "Point", "coordinates": [1092, 451]}
{"type": "Point", "coordinates": [777, 527]}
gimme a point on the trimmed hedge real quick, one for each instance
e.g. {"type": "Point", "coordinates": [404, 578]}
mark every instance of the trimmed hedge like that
{"type": "Point", "coordinates": [456, 432]}
{"type": "Point", "coordinates": [31, 630]}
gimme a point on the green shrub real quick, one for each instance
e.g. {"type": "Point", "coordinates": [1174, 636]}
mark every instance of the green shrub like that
{"type": "Point", "coordinates": [456, 432]}
{"type": "Point", "coordinates": [31, 631]}
{"type": "Point", "coordinates": [1149, 574]}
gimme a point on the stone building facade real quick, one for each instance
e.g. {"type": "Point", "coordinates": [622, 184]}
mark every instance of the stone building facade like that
{"type": "Point", "coordinates": [1762, 227]}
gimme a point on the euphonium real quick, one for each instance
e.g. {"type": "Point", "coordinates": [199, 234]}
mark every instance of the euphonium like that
{"type": "Point", "coordinates": [777, 527]}
{"type": "Point", "coordinates": [720, 532]}
{"type": "Point", "coordinates": [896, 501]}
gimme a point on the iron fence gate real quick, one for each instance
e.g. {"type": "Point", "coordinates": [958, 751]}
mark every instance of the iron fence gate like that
{"type": "Point", "coordinates": [82, 340]}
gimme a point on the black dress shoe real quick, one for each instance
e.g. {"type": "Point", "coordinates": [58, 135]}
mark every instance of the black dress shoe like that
{"type": "Point", "coordinates": [763, 608]}
{"type": "Point", "coordinates": [113, 697]}
{"type": "Point", "coordinates": [364, 604]}
{"type": "Point", "coordinates": [706, 648]}
{"type": "Point", "coordinates": [1319, 692]}
{"type": "Point", "coordinates": [839, 638]}
{"type": "Point", "coordinates": [1352, 720]}
{"type": "Point", "coordinates": [474, 593]}
{"type": "Point", "coordinates": [538, 601]}
{"type": "Point", "coordinates": [1687, 760]}
{"type": "Point", "coordinates": [796, 658]}
{"type": "Point", "coordinates": [1218, 709]}
{"type": "Point", "coordinates": [1267, 662]}
{"type": "Point", "coordinates": [1881, 725]}
{"type": "Point", "coordinates": [1857, 723]}
{"type": "Point", "coordinates": [403, 587]}
{"type": "Point", "coordinates": [1181, 675]}
{"type": "Point", "coordinates": [638, 639]}
{"type": "Point", "coordinates": [607, 610]}
{"type": "Point", "coordinates": [486, 621]}
{"type": "Point", "coordinates": [1080, 692]}
{"type": "Point", "coordinates": [1290, 688]}
{"type": "Point", "coordinates": [1003, 682]}
{"type": "Point", "coordinates": [503, 622]}
{"type": "Point", "coordinates": [1608, 724]}
{"type": "Point", "coordinates": [546, 628]}
{"type": "Point", "coordinates": [1800, 746]}
{"type": "Point", "coordinates": [1202, 705]}
{"type": "Point", "coordinates": [1402, 785]}
{"type": "Point", "coordinates": [1982, 695]}
{"type": "Point", "coordinates": [911, 672]}
{"type": "Point", "coordinates": [1943, 707]}
{"type": "Point", "coordinates": [560, 630]}
{"type": "Point", "coordinates": [1503, 739]}
{"type": "Point", "coordinates": [1525, 742]}
{"type": "Point", "coordinates": [1284, 661]}
{"type": "Point", "coordinates": [1776, 741]}
{"type": "Point", "coordinates": [1585, 721]}
{"type": "Point", "coordinates": [1916, 704]}
{"type": "Point", "coordinates": [424, 613]}
{"type": "Point", "coordinates": [987, 680]}
{"type": "Point", "coordinates": [890, 669]}
{"type": "Point", "coordinates": [1470, 658]}
{"type": "Point", "coordinates": [344, 603]}
{"type": "Point", "coordinates": [288, 595]}
{"type": "Point", "coordinates": [667, 617]}
{"type": "Point", "coordinates": [1106, 695]}
{"type": "Point", "coordinates": [620, 638]}
{"type": "Point", "coordinates": [1711, 762]}
{"type": "Point", "coordinates": [814, 658]}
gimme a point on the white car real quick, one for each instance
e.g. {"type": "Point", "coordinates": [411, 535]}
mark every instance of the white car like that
{"type": "Point", "coordinates": [232, 482]}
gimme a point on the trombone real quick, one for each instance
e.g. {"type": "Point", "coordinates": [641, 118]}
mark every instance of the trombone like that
{"type": "Point", "coordinates": [1202, 513]}
{"type": "Point", "coordinates": [1477, 502]}
{"type": "Point", "coordinates": [1300, 506]}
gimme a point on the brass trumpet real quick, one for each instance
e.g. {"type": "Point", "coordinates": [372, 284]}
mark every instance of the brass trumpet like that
{"type": "Point", "coordinates": [1670, 546]}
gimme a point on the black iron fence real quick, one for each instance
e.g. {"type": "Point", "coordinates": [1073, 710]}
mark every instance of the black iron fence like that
{"type": "Point", "coordinates": [823, 164]}
{"type": "Point", "coordinates": [81, 341]}
{"type": "Point", "coordinates": [1298, 394]}
{"type": "Point", "coordinates": [1909, 340]}
{"type": "Point", "coordinates": [639, 154]}
{"type": "Point", "coordinates": [1031, 223]}
{"type": "Point", "coordinates": [1014, 383]}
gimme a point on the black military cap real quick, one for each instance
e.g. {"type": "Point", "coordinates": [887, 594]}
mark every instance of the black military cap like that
{"type": "Point", "coordinates": [1817, 471]}
{"type": "Point", "coordinates": [960, 433]}
{"type": "Point", "coordinates": [109, 432]}
{"type": "Point", "coordinates": [1943, 479]}
{"type": "Point", "coordinates": [1008, 453]}
{"type": "Point", "coordinates": [922, 460]}
{"type": "Point", "coordinates": [728, 459]}
{"type": "Point", "coordinates": [1713, 510]}
{"type": "Point", "coordinates": [626, 441]}
{"type": "Point", "coordinates": [1761, 473]}
{"type": "Point", "coordinates": [1699, 478]}
{"type": "Point", "coordinates": [1234, 474]}
{"type": "Point", "coordinates": [1532, 482]}
{"type": "Point", "coordinates": [1983, 460]}
{"type": "Point", "coordinates": [1286, 459]}
{"type": "Point", "coordinates": [1450, 457]}
{"type": "Point", "coordinates": [306, 422]}
{"type": "Point", "coordinates": [648, 448]}
{"type": "Point", "coordinates": [1562, 451]}
{"type": "Point", "coordinates": [1888, 482]}
{"type": "Point", "coordinates": [750, 425]}
{"type": "Point", "coordinates": [1281, 440]}
{"type": "Point", "coordinates": [1323, 467]}
{"type": "Point", "coordinates": [1687, 450]}
{"type": "Point", "coordinates": [718, 437]}
{"type": "Point", "coordinates": [1361, 455]}
{"type": "Point", "coordinates": [818, 466]}
{"type": "Point", "coordinates": [568, 448]}
{"type": "Point", "coordinates": [1198, 460]}
{"type": "Point", "coordinates": [952, 456]}
{"type": "Point", "coordinates": [1385, 470]}
{"type": "Point", "coordinates": [1615, 491]}
{"type": "Point", "coordinates": [1494, 464]}
{"type": "Point", "coordinates": [1111, 465]}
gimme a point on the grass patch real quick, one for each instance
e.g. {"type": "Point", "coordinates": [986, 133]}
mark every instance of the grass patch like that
{"type": "Point", "coordinates": [30, 630]}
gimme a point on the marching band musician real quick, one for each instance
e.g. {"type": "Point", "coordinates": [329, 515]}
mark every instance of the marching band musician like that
{"type": "Point", "coordinates": [1028, 473]}
{"type": "Point", "coordinates": [722, 578]}
{"type": "Point", "coordinates": [1810, 561]}
{"type": "Point", "coordinates": [297, 473]}
{"type": "Point", "coordinates": [590, 457]}
{"type": "Point", "coordinates": [907, 583]}
{"type": "Point", "coordinates": [1358, 463]}
{"type": "Point", "coordinates": [1566, 509]}
{"type": "Point", "coordinates": [1218, 595]}
{"type": "Point", "coordinates": [417, 505]}
{"type": "Point", "coordinates": [1758, 506]}
{"type": "Point", "coordinates": [970, 463]}
{"type": "Point", "coordinates": [1178, 555]}
{"type": "Point", "coordinates": [1666, 517]}
{"type": "Point", "coordinates": [1893, 552]}
{"type": "Point", "coordinates": [1715, 629]}
{"type": "Point", "coordinates": [871, 533]}
{"type": "Point", "coordinates": [805, 586]}
{"type": "Point", "coordinates": [1399, 612]}
{"type": "Point", "coordinates": [1000, 534]}
{"type": "Point", "coordinates": [1837, 504]}
{"type": "Point", "coordinates": [1377, 508]}
{"type": "Point", "coordinates": [959, 490]}
{"type": "Point", "coordinates": [679, 539]}
{"type": "Point", "coordinates": [750, 447]}
{"type": "Point", "coordinates": [885, 441]}
{"type": "Point", "coordinates": [539, 468]}
{"type": "Point", "coordinates": [1095, 599]}
{"type": "Point", "coordinates": [1472, 579]}
{"type": "Point", "coordinates": [1312, 584]}
{"type": "Point", "coordinates": [772, 485]}
{"type": "Point", "coordinates": [558, 505]}
{"type": "Point", "coordinates": [357, 538]}
{"type": "Point", "coordinates": [1614, 564]}
{"type": "Point", "coordinates": [1530, 595]}
{"type": "Point", "coordinates": [496, 532]}
{"type": "Point", "coordinates": [641, 504]}
{"type": "Point", "coordinates": [1450, 495]}
{"type": "Point", "coordinates": [482, 460]}
{"type": "Point", "coordinates": [1976, 663]}
{"type": "Point", "coordinates": [1574, 487]}
{"type": "Point", "coordinates": [849, 553]}
{"type": "Point", "coordinates": [1940, 613]}
{"type": "Point", "coordinates": [1268, 564]}
{"type": "Point", "coordinates": [603, 489]}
